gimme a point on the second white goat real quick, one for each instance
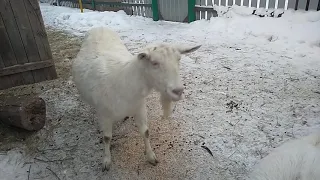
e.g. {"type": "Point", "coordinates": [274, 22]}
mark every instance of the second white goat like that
{"type": "Point", "coordinates": [297, 159]}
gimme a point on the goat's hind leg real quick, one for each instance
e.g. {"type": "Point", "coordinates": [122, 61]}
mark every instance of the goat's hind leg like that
{"type": "Point", "coordinates": [106, 127]}
{"type": "Point", "coordinates": [141, 122]}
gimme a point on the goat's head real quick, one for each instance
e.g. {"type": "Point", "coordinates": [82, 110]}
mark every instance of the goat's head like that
{"type": "Point", "coordinates": [161, 67]}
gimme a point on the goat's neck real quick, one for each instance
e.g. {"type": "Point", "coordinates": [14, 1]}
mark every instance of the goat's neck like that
{"type": "Point", "coordinates": [133, 72]}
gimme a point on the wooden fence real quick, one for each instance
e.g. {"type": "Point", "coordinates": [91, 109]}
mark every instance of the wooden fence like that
{"type": "Point", "coordinates": [131, 7]}
{"type": "Point", "coordinates": [204, 8]}
{"type": "Point", "coordinates": [189, 10]}
{"type": "Point", "coordinates": [25, 55]}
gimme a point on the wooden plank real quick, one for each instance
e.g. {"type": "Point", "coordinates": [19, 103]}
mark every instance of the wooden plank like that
{"type": "Point", "coordinates": [262, 3]}
{"type": "Point", "coordinates": [302, 4]}
{"type": "Point", "coordinates": [42, 35]}
{"type": "Point", "coordinates": [141, 9]}
{"type": "Point", "coordinates": [1, 61]}
{"type": "Point", "coordinates": [42, 32]}
{"type": "Point", "coordinates": [297, 4]}
{"type": "Point", "coordinates": [223, 2]}
{"type": "Point", "coordinates": [12, 33]}
{"type": "Point", "coordinates": [216, 2]}
{"type": "Point", "coordinates": [210, 13]}
{"type": "Point", "coordinates": [167, 11]}
{"type": "Point", "coordinates": [5, 82]}
{"type": "Point", "coordinates": [281, 4]}
{"type": "Point", "coordinates": [254, 3]}
{"type": "Point", "coordinates": [206, 8]}
{"type": "Point", "coordinates": [149, 12]}
{"type": "Point", "coordinates": [18, 68]}
{"type": "Point", "coordinates": [35, 29]}
{"type": "Point", "coordinates": [291, 4]}
{"type": "Point", "coordinates": [174, 10]}
{"type": "Point", "coordinates": [146, 9]}
{"type": "Point", "coordinates": [272, 4]}
{"type": "Point", "coordinates": [198, 11]}
{"type": "Point", "coordinates": [246, 3]}
{"type": "Point", "coordinates": [313, 4]}
{"type": "Point", "coordinates": [203, 12]}
{"type": "Point", "coordinates": [7, 49]}
{"type": "Point", "coordinates": [20, 54]}
{"type": "Point", "coordinates": [27, 37]}
{"type": "Point", "coordinates": [307, 5]}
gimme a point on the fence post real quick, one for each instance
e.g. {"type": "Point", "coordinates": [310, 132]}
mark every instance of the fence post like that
{"type": "Point", "coordinates": [80, 4]}
{"type": "Point", "coordinates": [191, 11]}
{"type": "Point", "coordinates": [93, 5]}
{"type": "Point", "coordinates": [155, 10]}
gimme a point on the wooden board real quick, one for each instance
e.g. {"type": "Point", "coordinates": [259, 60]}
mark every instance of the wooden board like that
{"type": "Point", "coordinates": [19, 68]}
{"type": "Point", "coordinates": [7, 57]}
{"type": "Point", "coordinates": [27, 37]}
{"type": "Point", "coordinates": [41, 40]}
{"type": "Point", "coordinates": [23, 40]}
{"type": "Point", "coordinates": [5, 81]}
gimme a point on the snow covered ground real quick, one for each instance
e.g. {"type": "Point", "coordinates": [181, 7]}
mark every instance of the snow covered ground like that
{"type": "Point", "coordinates": [254, 84]}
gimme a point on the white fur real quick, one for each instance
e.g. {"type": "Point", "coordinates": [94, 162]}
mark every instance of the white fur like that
{"type": "Point", "coordinates": [115, 82]}
{"type": "Point", "coordinates": [297, 159]}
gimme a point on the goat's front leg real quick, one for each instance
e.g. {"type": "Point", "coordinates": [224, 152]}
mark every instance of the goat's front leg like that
{"type": "Point", "coordinates": [106, 127]}
{"type": "Point", "coordinates": [166, 106]}
{"type": "Point", "coordinates": [141, 121]}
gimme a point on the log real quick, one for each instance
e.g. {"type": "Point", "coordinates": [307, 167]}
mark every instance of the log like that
{"type": "Point", "coordinates": [27, 112]}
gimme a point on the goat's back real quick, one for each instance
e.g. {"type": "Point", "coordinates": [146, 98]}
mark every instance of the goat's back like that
{"type": "Point", "coordinates": [101, 58]}
{"type": "Point", "coordinates": [294, 160]}
{"type": "Point", "coordinates": [102, 40]}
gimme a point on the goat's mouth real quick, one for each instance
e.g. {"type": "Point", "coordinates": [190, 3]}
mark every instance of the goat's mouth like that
{"type": "Point", "coordinates": [175, 96]}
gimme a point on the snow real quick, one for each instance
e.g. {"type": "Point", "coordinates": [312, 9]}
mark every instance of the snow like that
{"type": "Point", "coordinates": [292, 31]}
{"type": "Point", "coordinates": [253, 85]}
{"type": "Point", "coordinates": [12, 165]}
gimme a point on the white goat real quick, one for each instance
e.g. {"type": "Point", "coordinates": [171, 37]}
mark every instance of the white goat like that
{"type": "Point", "coordinates": [297, 159]}
{"type": "Point", "coordinates": [115, 82]}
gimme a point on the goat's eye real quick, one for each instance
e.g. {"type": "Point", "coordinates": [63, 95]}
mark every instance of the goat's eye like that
{"type": "Point", "coordinates": [155, 64]}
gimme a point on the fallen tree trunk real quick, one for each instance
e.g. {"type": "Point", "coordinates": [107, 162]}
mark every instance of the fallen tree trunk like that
{"type": "Point", "coordinates": [27, 112]}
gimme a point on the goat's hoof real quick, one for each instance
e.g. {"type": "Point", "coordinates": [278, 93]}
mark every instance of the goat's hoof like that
{"type": "Point", "coordinates": [106, 164]}
{"type": "Point", "coordinates": [151, 157]}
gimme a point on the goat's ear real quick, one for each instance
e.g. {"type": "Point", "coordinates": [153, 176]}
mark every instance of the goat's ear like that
{"type": "Point", "coordinates": [143, 56]}
{"type": "Point", "coordinates": [183, 49]}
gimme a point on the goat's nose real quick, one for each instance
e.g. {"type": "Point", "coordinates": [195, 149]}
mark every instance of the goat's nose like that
{"type": "Point", "coordinates": [178, 91]}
